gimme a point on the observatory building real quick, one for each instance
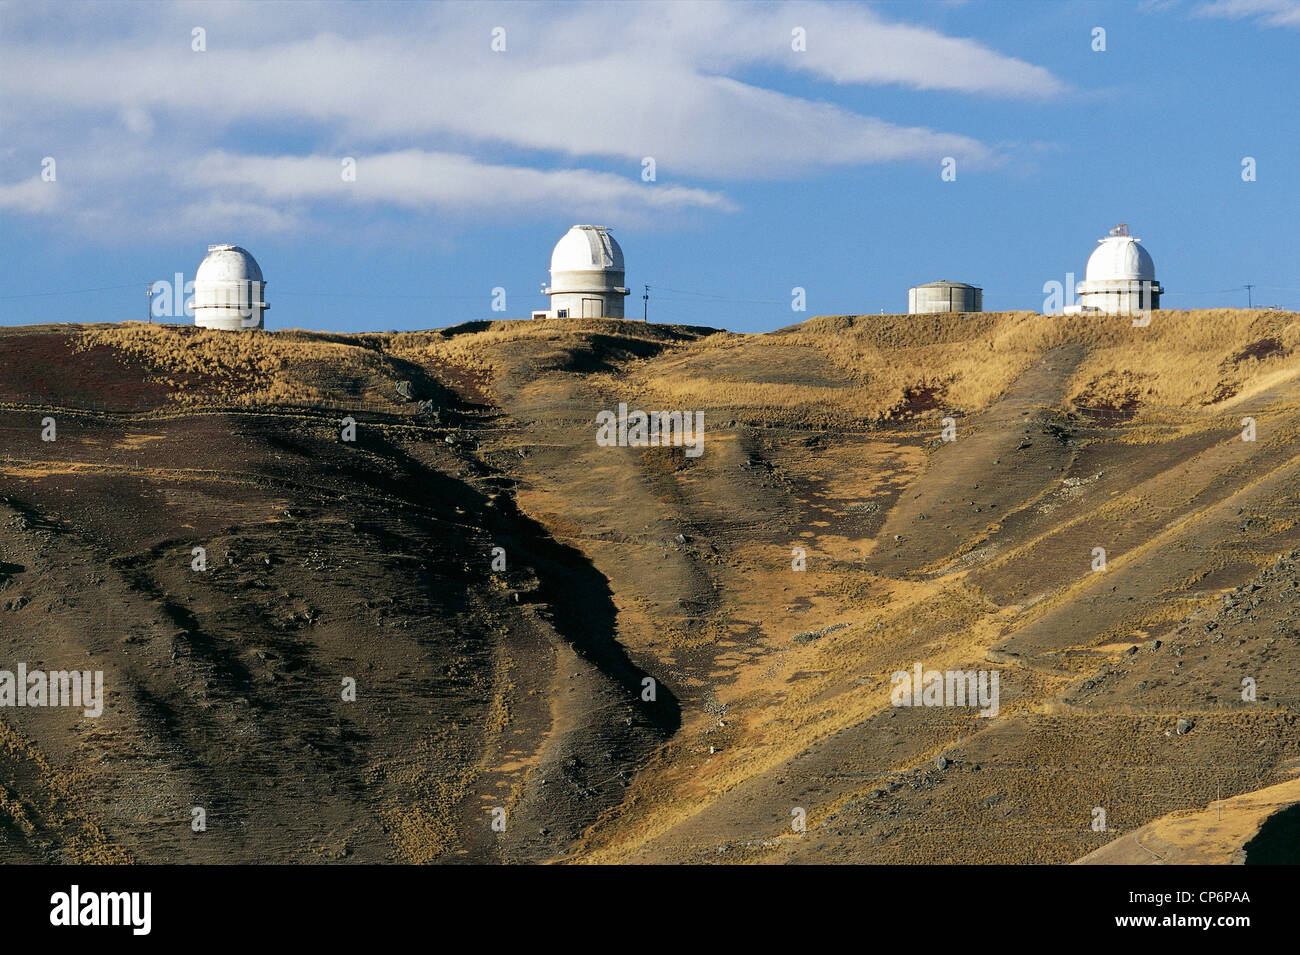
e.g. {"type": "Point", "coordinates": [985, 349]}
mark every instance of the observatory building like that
{"type": "Point", "coordinates": [944, 297]}
{"type": "Point", "coordinates": [586, 275]}
{"type": "Point", "coordinates": [1120, 279]}
{"type": "Point", "coordinates": [229, 290]}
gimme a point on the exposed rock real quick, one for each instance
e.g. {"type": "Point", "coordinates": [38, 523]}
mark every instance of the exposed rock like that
{"type": "Point", "coordinates": [808, 636]}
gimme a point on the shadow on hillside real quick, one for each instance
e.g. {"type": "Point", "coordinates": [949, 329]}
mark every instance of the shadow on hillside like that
{"type": "Point", "coordinates": [579, 597]}
{"type": "Point", "coordinates": [1278, 840]}
{"type": "Point", "coordinates": [464, 328]}
{"type": "Point", "coordinates": [584, 613]}
{"type": "Point", "coordinates": [605, 353]}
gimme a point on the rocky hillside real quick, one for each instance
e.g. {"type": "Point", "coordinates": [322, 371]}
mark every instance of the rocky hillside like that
{"type": "Point", "coordinates": [476, 633]}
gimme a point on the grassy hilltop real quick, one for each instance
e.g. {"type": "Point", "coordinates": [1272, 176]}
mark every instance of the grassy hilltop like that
{"type": "Point", "coordinates": [522, 688]}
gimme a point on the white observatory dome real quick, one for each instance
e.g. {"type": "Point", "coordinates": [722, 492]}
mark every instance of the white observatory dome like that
{"type": "Point", "coordinates": [587, 247]}
{"type": "Point", "coordinates": [1120, 278]}
{"type": "Point", "coordinates": [586, 275]}
{"type": "Point", "coordinates": [1120, 257]}
{"type": "Point", "coordinates": [229, 291]}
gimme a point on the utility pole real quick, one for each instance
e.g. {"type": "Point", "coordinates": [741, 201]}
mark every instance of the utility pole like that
{"type": "Point", "coordinates": [645, 305]}
{"type": "Point", "coordinates": [148, 306]}
{"type": "Point", "coordinates": [1248, 296]}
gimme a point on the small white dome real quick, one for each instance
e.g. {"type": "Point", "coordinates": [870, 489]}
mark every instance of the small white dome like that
{"type": "Point", "coordinates": [1120, 258]}
{"type": "Point", "coordinates": [228, 263]}
{"type": "Point", "coordinates": [586, 248]}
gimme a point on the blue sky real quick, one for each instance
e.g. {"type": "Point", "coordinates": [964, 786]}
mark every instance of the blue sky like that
{"type": "Point", "coordinates": [775, 168]}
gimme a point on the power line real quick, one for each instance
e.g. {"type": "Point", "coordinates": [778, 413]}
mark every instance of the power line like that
{"type": "Point", "coordinates": [150, 285]}
{"type": "Point", "coordinates": [672, 313]}
{"type": "Point", "coordinates": [78, 291]}
{"type": "Point", "coordinates": [723, 298]}
{"type": "Point", "coordinates": [374, 295]}
{"type": "Point", "coordinates": [1220, 291]}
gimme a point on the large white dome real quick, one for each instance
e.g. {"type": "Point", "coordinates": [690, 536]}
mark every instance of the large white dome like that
{"type": "Point", "coordinates": [229, 291]}
{"type": "Point", "coordinates": [1120, 258]}
{"type": "Point", "coordinates": [585, 248]}
{"type": "Point", "coordinates": [228, 263]}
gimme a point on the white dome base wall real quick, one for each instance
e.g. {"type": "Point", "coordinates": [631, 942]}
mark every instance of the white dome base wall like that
{"type": "Point", "coordinates": [1120, 298]}
{"type": "Point", "coordinates": [227, 319]}
{"type": "Point", "coordinates": [589, 304]}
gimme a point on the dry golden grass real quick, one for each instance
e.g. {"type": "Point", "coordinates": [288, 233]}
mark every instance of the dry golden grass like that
{"type": "Point", "coordinates": [1186, 359]}
{"type": "Point", "coordinates": [895, 364]}
{"type": "Point", "coordinates": [61, 806]}
{"type": "Point", "coordinates": [1214, 835]}
{"type": "Point", "coordinates": [827, 700]}
{"type": "Point", "coordinates": [248, 368]}
{"type": "Point", "coordinates": [828, 370]}
{"type": "Point", "coordinates": [485, 348]}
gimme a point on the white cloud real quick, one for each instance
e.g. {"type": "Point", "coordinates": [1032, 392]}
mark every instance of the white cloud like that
{"type": "Point", "coordinates": [371, 90]}
{"type": "Point", "coordinates": [417, 179]}
{"type": "Point", "coordinates": [848, 44]}
{"type": "Point", "coordinates": [449, 125]}
{"type": "Point", "coordinates": [33, 195]}
{"type": "Point", "coordinates": [1273, 13]}
{"type": "Point", "coordinates": [164, 192]}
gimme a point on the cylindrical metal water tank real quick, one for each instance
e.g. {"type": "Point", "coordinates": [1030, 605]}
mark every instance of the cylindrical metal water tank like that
{"type": "Point", "coordinates": [944, 297]}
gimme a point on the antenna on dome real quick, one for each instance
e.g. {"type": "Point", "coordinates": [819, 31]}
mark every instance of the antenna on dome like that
{"type": "Point", "coordinates": [1121, 229]}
